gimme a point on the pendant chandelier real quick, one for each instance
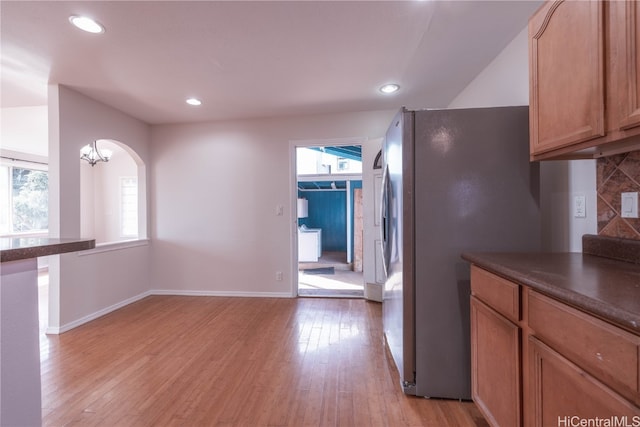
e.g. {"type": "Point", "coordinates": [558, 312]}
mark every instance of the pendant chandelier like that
{"type": "Point", "coordinates": [91, 154]}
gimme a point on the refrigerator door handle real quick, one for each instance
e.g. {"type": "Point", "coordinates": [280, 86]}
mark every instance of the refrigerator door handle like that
{"type": "Point", "coordinates": [383, 209]}
{"type": "Point", "coordinates": [384, 220]}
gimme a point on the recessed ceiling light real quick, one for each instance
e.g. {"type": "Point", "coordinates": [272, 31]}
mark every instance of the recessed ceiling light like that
{"type": "Point", "coordinates": [389, 88]}
{"type": "Point", "coordinates": [194, 101]}
{"type": "Point", "coordinates": [86, 24]}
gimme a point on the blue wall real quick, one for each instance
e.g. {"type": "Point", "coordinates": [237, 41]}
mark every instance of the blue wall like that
{"type": "Point", "coordinates": [328, 211]}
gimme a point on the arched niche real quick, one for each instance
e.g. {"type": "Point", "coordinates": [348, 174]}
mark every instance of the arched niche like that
{"type": "Point", "coordinates": [113, 195]}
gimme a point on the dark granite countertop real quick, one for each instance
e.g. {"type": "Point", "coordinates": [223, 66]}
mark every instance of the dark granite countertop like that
{"type": "Point", "coordinates": [606, 287]}
{"type": "Point", "coordinates": [19, 248]}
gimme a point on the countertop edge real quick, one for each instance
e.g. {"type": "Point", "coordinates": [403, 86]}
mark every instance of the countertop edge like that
{"type": "Point", "coordinates": [615, 315]}
{"type": "Point", "coordinates": [57, 247]}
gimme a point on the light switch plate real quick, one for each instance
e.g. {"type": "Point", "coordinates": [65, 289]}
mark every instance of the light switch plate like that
{"type": "Point", "coordinates": [579, 206]}
{"type": "Point", "coordinates": [629, 205]}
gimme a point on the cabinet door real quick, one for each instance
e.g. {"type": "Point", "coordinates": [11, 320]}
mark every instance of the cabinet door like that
{"type": "Point", "coordinates": [627, 17]}
{"type": "Point", "coordinates": [495, 366]}
{"type": "Point", "coordinates": [564, 394]}
{"type": "Point", "coordinates": [566, 60]}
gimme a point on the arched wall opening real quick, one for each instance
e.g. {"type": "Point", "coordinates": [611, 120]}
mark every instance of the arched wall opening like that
{"type": "Point", "coordinates": [113, 196]}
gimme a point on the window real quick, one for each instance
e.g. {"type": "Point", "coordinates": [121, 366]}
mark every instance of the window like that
{"type": "Point", "coordinates": [343, 164]}
{"type": "Point", "coordinates": [24, 200]}
{"type": "Point", "coordinates": [328, 160]}
{"type": "Point", "coordinates": [129, 206]}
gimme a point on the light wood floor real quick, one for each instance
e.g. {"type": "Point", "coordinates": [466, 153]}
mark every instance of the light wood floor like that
{"type": "Point", "coordinates": [198, 361]}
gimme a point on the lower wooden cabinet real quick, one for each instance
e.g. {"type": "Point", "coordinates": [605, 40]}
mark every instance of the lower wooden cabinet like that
{"type": "Point", "coordinates": [495, 365]}
{"type": "Point", "coordinates": [537, 362]}
{"type": "Point", "coordinates": [606, 352]}
{"type": "Point", "coordinates": [563, 394]}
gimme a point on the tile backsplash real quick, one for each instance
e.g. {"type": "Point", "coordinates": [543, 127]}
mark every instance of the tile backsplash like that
{"type": "Point", "coordinates": [615, 175]}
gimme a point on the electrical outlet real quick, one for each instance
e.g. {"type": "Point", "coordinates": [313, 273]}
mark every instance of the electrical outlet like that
{"type": "Point", "coordinates": [279, 276]}
{"type": "Point", "coordinates": [579, 206]}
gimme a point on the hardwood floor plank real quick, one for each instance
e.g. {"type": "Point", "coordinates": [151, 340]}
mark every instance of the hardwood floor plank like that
{"type": "Point", "coordinates": [213, 361]}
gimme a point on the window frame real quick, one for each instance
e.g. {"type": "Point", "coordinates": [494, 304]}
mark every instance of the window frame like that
{"type": "Point", "coordinates": [10, 164]}
{"type": "Point", "coordinates": [122, 233]}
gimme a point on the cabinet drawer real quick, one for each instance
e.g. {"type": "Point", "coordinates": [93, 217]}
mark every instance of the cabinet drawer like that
{"type": "Point", "coordinates": [498, 293]}
{"type": "Point", "coordinates": [605, 351]}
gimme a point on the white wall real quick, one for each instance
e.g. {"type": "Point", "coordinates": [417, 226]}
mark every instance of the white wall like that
{"type": "Point", "coordinates": [560, 182]}
{"type": "Point", "coordinates": [24, 130]}
{"type": "Point", "coordinates": [216, 187]}
{"type": "Point", "coordinates": [82, 287]}
{"type": "Point", "coordinates": [506, 82]}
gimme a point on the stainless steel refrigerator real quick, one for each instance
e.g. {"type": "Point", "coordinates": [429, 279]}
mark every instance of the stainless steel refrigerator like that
{"type": "Point", "coordinates": [454, 181]}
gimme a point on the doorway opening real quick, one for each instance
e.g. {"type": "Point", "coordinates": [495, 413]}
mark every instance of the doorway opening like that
{"type": "Point", "coordinates": [329, 221]}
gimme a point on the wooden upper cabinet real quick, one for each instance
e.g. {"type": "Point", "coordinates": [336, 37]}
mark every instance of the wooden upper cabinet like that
{"type": "Point", "coordinates": [584, 88]}
{"type": "Point", "coordinates": [567, 81]}
{"type": "Point", "coordinates": [626, 93]}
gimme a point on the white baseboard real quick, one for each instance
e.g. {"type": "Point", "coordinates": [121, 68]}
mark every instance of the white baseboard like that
{"type": "Point", "coordinates": [64, 328]}
{"type": "Point", "coordinates": [93, 316]}
{"type": "Point", "coordinates": [220, 293]}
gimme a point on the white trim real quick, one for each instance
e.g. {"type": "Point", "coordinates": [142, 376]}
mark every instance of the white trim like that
{"type": "Point", "coordinates": [24, 160]}
{"type": "Point", "coordinates": [293, 211]}
{"type": "Point", "coordinates": [293, 193]}
{"type": "Point", "coordinates": [221, 293]}
{"type": "Point", "coordinates": [115, 246]}
{"type": "Point", "coordinates": [26, 234]}
{"type": "Point", "coordinates": [95, 315]}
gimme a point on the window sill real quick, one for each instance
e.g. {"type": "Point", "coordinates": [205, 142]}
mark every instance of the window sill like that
{"type": "Point", "coordinates": [115, 246]}
{"type": "Point", "coordinates": [26, 234]}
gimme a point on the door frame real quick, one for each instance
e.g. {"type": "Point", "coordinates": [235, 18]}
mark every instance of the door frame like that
{"type": "Point", "coordinates": [293, 195]}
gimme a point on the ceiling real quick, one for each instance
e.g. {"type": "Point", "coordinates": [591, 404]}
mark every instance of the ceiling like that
{"type": "Point", "coordinates": [247, 59]}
